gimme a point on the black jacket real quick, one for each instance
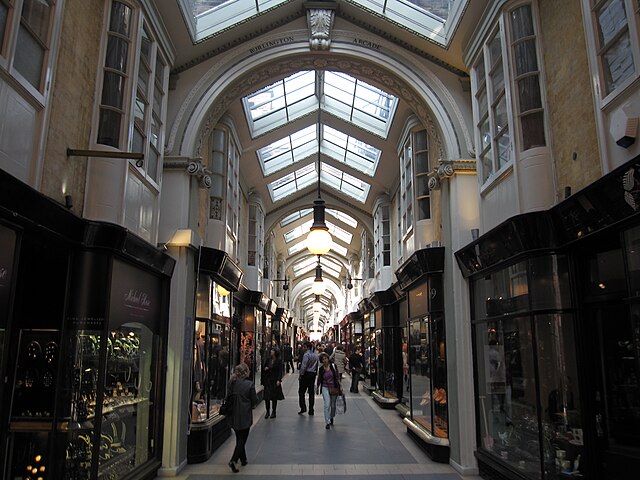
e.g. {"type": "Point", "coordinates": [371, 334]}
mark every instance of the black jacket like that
{"type": "Point", "coordinates": [243, 403]}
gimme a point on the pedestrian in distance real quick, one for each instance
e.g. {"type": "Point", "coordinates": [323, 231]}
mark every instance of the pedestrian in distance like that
{"type": "Point", "coordinates": [307, 377]}
{"type": "Point", "coordinates": [356, 364]}
{"type": "Point", "coordinates": [287, 354]}
{"type": "Point", "coordinates": [339, 359]}
{"type": "Point", "coordinates": [272, 381]}
{"type": "Point", "coordinates": [328, 384]}
{"type": "Point", "coordinates": [244, 400]}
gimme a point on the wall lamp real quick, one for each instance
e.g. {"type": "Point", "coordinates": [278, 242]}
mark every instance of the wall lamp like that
{"type": "Point", "coordinates": [285, 287]}
{"type": "Point", "coordinates": [350, 281]}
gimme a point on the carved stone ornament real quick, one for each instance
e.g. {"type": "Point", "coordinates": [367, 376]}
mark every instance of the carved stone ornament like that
{"type": "Point", "coordinates": [446, 169]}
{"type": "Point", "coordinates": [320, 23]}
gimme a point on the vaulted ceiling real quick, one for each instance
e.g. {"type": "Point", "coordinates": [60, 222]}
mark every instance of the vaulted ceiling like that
{"type": "Point", "coordinates": [361, 121]}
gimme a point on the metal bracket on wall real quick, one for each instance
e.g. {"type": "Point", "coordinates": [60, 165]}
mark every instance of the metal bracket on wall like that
{"type": "Point", "coordinates": [138, 157]}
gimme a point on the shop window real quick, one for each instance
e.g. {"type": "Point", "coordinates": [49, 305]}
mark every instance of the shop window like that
{"type": "Point", "coordinates": [632, 250]}
{"type": "Point", "coordinates": [502, 292]}
{"type": "Point", "coordinates": [606, 273]}
{"type": "Point", "coordinates": [507, 399]}
{"type": "Point", "coordinates": [550, 286]}
{"type": "Point", "coordinates": [615, 23]}
{"type": "Point", "coordinates": [559, 395]}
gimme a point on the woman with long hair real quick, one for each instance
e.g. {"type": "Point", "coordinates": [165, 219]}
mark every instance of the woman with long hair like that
{"type": "Point", "coordinates": [328, 383]}
{"type": "Point", "coordinates": [243, 395]}
{"type": "Point", "coordinates": [272, 381]}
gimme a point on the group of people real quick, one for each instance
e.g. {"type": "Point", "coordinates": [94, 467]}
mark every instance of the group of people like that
{"type": "Point", "coordinates": [318, 373]}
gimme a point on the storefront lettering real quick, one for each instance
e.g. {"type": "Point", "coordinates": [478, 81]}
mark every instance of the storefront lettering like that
{"type": "Point", "coordinates": [137, 298]}
{"type": "Point", "coordinates": [366, 43]}
{"type": "Point", "coordinates": [271, 43]}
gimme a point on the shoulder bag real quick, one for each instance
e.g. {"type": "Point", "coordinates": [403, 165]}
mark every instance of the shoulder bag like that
{"type": "Point", "coordinates": [226, 408]}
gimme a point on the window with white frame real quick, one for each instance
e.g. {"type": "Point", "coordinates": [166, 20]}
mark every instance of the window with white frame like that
{"type": "Point", "coordinates": [382, 236]}
{"type": "Point", "coordinates": [406, 187]}
{"type": "Point", "coordinates": [28, 54]}
{"type": "Point", "coordinates": [616, 35]}
{"type": "Point", "coordinates": [255, 238]}
{"type": "Point", "coordinates": [526, 75]}
{"type": "Point", "coordinates": [218, 168]}
{"type": "Point", "coordinates": [423, 194]}
{"type": "Point", "coordinates": [233, 188]}
{"type": "Point", "coordinates": [498, 113]}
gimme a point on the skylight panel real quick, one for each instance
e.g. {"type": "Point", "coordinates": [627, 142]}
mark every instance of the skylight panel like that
{"type": "Point", "coordinates": [358, 102]}
{"type": "Point", "coordinates": [343, 217]}
{"type": "Point", "coordinates": [351, 151]}
{"type": "Point", "coordinates": [206, 18]}
{"type": "Point", "coordinates": [289, 150]}
{"type": "Point", "coordinates": [345, 183]}
{"type": "Point", "coordinates": [297, 232]}
{"type": "Point", "coordinates": [306, 265]}
{"type": "Point", "coordinates": [339, 249]}
{"type": "Point", "coordinates": [340, 233]}
{"type": "Point", "coordinates": [298, 247]}
{"type": "Point", "coordinates": [296, 216]}
{"type": "Point", "coordinates": [435, 20]}
{"type": "Point", "coordinates": [292, 183]}
{"type": "Point", "coordinates": [281, 102]}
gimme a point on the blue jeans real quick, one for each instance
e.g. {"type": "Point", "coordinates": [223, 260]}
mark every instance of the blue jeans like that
{"type": "Point", "coordinates": [329, 405]}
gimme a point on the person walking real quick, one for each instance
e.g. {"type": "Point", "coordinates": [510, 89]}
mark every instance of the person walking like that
{"type": "Point", "coordinates": [356, 364]}
{"type": "Point", "coordinates": [307, 377]}
{"type": "Point", "coordinates": [272, 381]}
{"type": "Point", "coordinates": [287, 354]}
{"type": "Point", "coordinates": [244, 396]}
{"type": "Point", "coordinates": [339, 358]}
{"type": "Point", "coordinates": [329, 385]}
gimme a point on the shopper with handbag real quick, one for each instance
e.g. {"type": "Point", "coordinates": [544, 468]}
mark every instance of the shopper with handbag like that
{"type": "Point", "coordinates": [242, 393]}
{"type": "Point", "coordinates": [328, 384]}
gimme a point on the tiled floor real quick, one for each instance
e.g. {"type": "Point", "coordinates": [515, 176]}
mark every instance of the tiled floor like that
{"type": "Point", "coordinates": [367, 441]}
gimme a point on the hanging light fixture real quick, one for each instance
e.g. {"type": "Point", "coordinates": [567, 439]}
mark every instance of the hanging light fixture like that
{"type": "Point", "coordinates": [319, 238]}
{"type": "Point", "coordinates": [318, 286]}
{"type": "Point", "coordinates": [317, 305]}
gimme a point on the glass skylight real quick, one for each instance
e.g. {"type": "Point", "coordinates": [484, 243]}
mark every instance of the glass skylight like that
{"type": "Point", "coordinates": [339, 249]}
{"type": "Point", "coordinates": [208, 17]}
{"type": "Point", "coordinates": [298, 247]}
{"type": "Point", "coordinates": [283, 101]}
{"type": "Point", "coordinates": [339, 233]}
{"type": "Point", "coordinates": [433, 19]}
{"type": "Point", "coordinates": [342, 95]}
{"type": "Point", "coordinates": [296, 216]}
{"type": "Point", "coordinates": [328, 266]}
{"type": "Point", "coordinates": [358, 102]}
{"type": "Point", "coordinates": [298, 231]}
{"type": "Point", "coordinates": [346, 149]}
{"type": "Point", "coordinates": [345, 183]}
{"type": "Point", "coordinates": [289, 150]}
{"type": "Point", "coordinates": [343, 217]}
{"type": "Point", "coordinates": [293, 182]}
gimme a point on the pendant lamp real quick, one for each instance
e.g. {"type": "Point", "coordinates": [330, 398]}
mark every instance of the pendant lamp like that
{"type": "Point", "coordinates": [319, 238]}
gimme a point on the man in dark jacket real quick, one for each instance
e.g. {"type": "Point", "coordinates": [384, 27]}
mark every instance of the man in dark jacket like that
{"type": "Point", "coordinates": [307, 378]}
{"type": "Point", "coordinates": [356, 364]}
{"type": "Point", "coordinates": [287, 357]}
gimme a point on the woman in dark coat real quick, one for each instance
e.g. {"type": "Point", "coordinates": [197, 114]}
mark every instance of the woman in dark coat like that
{"type": "Point", "coordinates": [272, 381]}
{"type": "Point", "coordinates": [241, 418]}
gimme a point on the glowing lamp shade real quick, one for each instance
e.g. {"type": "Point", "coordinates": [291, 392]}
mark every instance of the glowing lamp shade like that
{"type": "Point", "coordinates": [319, 238]}
{"type": "Point", "coordinates": [223, 292]}
{"type": "Point", "coordinates": [319, 241]}
{"type": "Point", "coordinates": [318, 287]}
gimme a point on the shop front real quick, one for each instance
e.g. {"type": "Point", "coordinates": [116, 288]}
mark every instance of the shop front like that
{"type": "Point", "coordinates": [388, 339]}
{"type": "Point", "coordinates": [218, 278]}
{"type": "Point", "coordinates": [426, 414]}
{"type": "Point", "coordinates": [556, 327]}
{"type": "Point", "coordinates": [84, 316]}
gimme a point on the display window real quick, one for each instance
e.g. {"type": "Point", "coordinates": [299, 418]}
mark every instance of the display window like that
{"type": "Point", "coordinates": [387, 340]}
{"type": "Point", "coordinates": [210, 368]}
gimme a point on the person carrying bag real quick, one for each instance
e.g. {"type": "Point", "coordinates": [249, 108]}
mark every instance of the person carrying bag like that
{"type": "Point", "coordinates": [328, 384]}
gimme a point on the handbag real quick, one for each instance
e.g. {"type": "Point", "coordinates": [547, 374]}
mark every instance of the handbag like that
{"type": "Point", "coordinates": [334, 391]}
{"type": "Point", "coordinates": [226, 408]}
{"type": "Point", "coordinates": [341, 405]}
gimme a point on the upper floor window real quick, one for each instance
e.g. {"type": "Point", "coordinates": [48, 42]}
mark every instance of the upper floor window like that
{"type": "Point", "coordinates": [382, 235]}
{"type": "Point", "coordinates": [31, 31]}
{"type": "Point", "coordinates": [423, 194]}
{"type": "Point", "coordinates": [509, 58]}
{"type": "Point", "coordinates": [616, 25]}
{"type": "Point", "coordinates": [145, 111]}
{"type": "Point", "coordinates": [406, 188]}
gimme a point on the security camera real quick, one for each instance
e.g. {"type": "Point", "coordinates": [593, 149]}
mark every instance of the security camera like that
{"type": "Point", "coordinates": [349, 285]}
{"type": "Point", "coordinates": [285, 287]}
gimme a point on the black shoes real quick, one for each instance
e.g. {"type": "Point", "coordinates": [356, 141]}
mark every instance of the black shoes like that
{"type": "Point", "coordinates": [267, 415]}
{"type": "Point", "coordinates": [332, 421]}
{"type": "Point", "coordinates": [327, 426]}
{"type": "Point", "coordinates": [233, 468]}
{"type": "Point", "coordinates": [310, 412]}
{"type": "Point", "coordinates": [302, 411]}
{"type": "Point", "coordinates": [273, 415]}
{"type": "Point", "coordinates": [244, 464]}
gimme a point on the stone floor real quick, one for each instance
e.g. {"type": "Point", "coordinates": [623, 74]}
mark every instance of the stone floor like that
{"type": "Point", "coordinates": [366, 442]}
